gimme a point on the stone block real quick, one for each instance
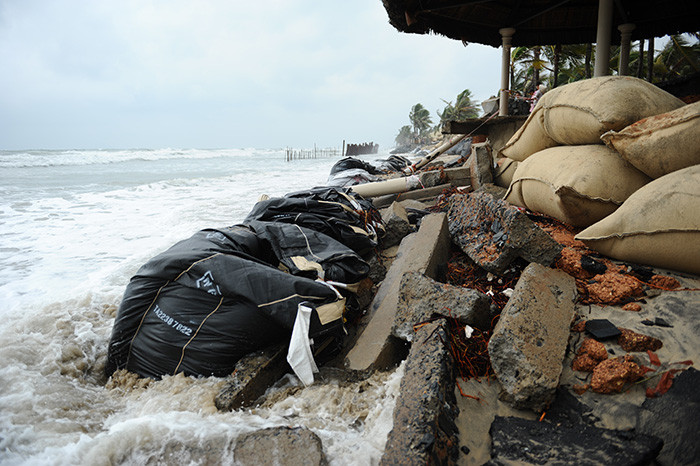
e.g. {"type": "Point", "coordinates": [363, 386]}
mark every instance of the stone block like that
{"type": "Point", "coordinates": [481, 165]}
{"type": "Point", "coordinates": [396, 225]}
{"type": "Point", "coordinates": [421, 297]}
{"type": "Point", "coordinates": [421, 252]}
{"type": "Point", "coordinates": [522, 441]}
{"type": "Point", "coordinates": [529, 341]}
{"type": "Point", "coordinates": [280, 446]}
{"type": "Point", "coordinates": [432, 178]}
{"type": "Point", "coordinates": [493, 233]}
{"type": "Point", "coordinates": [424, 431]}
{"type": "Point", "coordinates": [253, 375]}
{"type": "Point", "coordinates": [417, 194]}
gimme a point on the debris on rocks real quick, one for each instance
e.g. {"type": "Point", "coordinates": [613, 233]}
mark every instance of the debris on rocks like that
{"type": "Point", "coordinates": [632, 341]}
{"type": "Point", "coordinates": [611, 375]}
{"type": "Point", "coordinates": [493, 233]}
{"type": "Point", "coordinates": [421, 297]}
{"type": "Point", "coordinates": [664, 282]}
{"type": "Point", "coordinates": [634, 307]}
{"type": "Point", "coordinates": [579, 326]}
{"type": "Point", "coordinates": [462, 271]}
{"type": "Point", "coordinates": [614, 288]}
{"type": "Point", "coordinates": [602, 329]}
{"type": "Point", "coordinates": [589, 355]}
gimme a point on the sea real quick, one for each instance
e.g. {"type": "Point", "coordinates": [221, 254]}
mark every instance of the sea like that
{"type": "Point", "coordinates": [75, 225]}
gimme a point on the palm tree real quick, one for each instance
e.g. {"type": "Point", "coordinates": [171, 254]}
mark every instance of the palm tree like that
{"type": "Point", "coordinates": [678, 58]}
{"type": "Point", "coordinates": [404, 136]}
{"type": "Point", "coordinates": [420, 119]}
{"type": "Point", "coordinates": [463, 108]}
{"type": "Point", "coordinates": [530, 66]}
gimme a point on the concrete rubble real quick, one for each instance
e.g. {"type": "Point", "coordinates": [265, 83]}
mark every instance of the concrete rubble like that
{"type": "Point", "coordinates": [556, 394]}
{"type": "Point", "coordinates": [424, 431]}
{"type": "Point", "coordinates": [396, 224]}
{"type": "Point", "coordinates": [493, 233]}
{"type": "Point", "coordinates": [528, 344]}
{"type": "Point", "coordinates": [421, 298]}
{"type": "Point", "coordinates": [280, 446]}
{"type": "Point", "coordinates": [376, 347]}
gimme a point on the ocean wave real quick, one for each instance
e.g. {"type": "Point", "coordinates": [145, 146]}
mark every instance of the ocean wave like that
{"type": "Point", "coordinates": [55, 158]}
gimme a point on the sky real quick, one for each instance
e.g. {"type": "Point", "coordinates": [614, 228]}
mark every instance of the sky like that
{"type": "Point", "coordinates": [79, 74]}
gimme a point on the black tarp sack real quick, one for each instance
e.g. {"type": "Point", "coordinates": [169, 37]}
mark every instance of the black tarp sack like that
{"type": "Point", "coordinates": [349, 163]}
{"type": "Point", "coordinates": [395, 163]}
{"type": "Point", "coordinates": [200, 306]}
{"type": "Point", "coordinates": [354, 222]}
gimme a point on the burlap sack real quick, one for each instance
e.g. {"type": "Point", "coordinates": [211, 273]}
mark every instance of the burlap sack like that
{"type": "Point", "coordinates": [660, 144]}
{"type": "Point", "coordinates": [578, 185]}
{"type": "Point", "coordinates": [529, 138]}
{"type": "Point", "coordinates": [503, 173]}
{"type": "Point", "coordinates": [659, 225]}
{"type": "Point", "coordinates": [580, 112]}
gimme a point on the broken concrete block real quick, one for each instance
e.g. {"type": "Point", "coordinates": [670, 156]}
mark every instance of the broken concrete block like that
{"type": "Point", "coordinates": [420, 252]}
{"type": "Point", "coordinates": [431, 178]}
{"type": "Point", "coordinates": [396, 225]}
{"type": "Point", "coordinates": [529, 341]}
{"type": "Point", "coordinates": [675, 417]}
{"type": "Point", "coordinates": [460, 176]}
{"type": "Point", "coordinates": [420, 297]}
{"type": "Point", "coordinates": [493, 233]}
{"type": "Point", "coordinates": [496, 191]}
{"type": "Point", "coordinates": [522, 441]}
{"type": "Point", "coordinates": [481, 165]}
{"type": "Point", "coordinates": [280, 446]}
{"type": "Point", "coordinates": [254, 374]}
{"type": "Point", "coordinates": [417, 194]}
{"type": "Point", "coordinates": [424, 431]}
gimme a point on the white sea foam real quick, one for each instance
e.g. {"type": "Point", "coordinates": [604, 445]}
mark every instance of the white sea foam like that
{"type": "Point", "coordinates": [72, 234]}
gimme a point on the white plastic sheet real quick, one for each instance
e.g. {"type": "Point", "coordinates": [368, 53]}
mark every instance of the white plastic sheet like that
{"type": "Point", "coordinates": [299, 356]}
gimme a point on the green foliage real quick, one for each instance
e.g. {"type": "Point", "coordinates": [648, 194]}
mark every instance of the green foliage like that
{"type": "Point", "coordinates": [679, 57]}
{"type": "Point", "coordinates": [405, 136]}
{"type": "Point", "coordinates": [420, 119]}
{"type": "Point", "coordinates": [463, 108]}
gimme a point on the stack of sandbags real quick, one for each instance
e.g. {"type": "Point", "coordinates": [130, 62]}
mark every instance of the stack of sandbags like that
{"type": "Point", "coordinates": [565, 170]}
{"type": "Point", "coordinates": [578, 185]}
{"type": "Point", "coordinates": [658, 225]}
{"type": "Point", "coordinates": [660, 144]}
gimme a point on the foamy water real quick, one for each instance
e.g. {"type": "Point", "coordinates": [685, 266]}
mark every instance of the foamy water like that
{"type": "Point", "coordinates": [74, 227]}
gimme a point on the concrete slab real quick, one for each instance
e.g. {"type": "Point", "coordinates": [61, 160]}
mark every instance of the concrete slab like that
{"type": "Point", "coordinates": [424, 431]}
{"type": "Point", "coordinates": [421, 252]}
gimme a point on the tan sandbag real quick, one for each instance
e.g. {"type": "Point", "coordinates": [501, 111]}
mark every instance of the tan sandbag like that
{"type": "Point", "coordinates": [660, 144]}
{"type": "Point", "coordinates": [503, 174]}
{"type": "Point", "coordinates": [580, 112]}
{"type": "Point", "coordinates": [578, 185]}
{"type": "Point", "coordinates": [529, 138]}
{"type": "Point", "coordinates": [659, 225]}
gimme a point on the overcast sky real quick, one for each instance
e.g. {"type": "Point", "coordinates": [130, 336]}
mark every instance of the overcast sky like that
{"type": "Point", "coordinates": [220, 73]}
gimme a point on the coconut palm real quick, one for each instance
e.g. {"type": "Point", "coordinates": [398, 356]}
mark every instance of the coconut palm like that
{"type": "Point", "coordinates": [404, 138]}
{"type": "Point", "coordinates": [680, 57]}
{"type": "Point", "coordinates": [463, 108]}
{"type": "Point", "coordinates": [420, 119]}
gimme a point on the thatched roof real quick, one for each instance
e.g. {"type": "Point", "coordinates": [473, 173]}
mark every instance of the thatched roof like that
{"type": "Point", "coordinates": [540, 22]}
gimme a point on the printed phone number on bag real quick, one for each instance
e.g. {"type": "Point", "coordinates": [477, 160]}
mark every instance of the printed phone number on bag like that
{"type": "Point", "coordinates": [185, 330]}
